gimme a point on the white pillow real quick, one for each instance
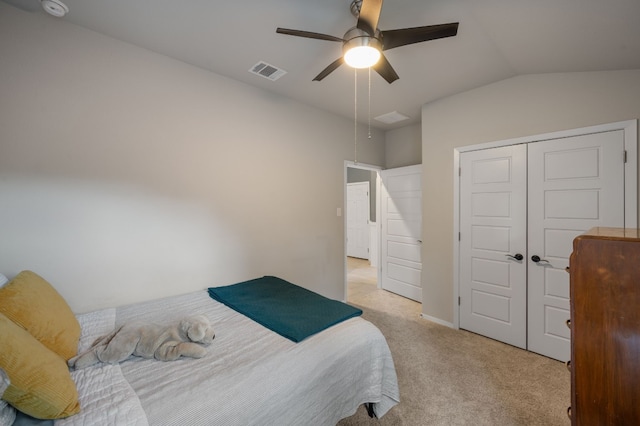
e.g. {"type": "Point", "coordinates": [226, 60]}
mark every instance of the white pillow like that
{"type": "Point", "coordinates": [3, 281]}
{"type": "Point", "coordinates": [7, 412]}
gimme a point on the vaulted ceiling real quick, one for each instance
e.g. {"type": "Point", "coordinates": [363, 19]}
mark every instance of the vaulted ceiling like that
{"type": "Point", "coordinates": [497, 39]}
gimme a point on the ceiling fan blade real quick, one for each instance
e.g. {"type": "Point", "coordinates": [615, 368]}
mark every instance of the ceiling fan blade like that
{"type": "Point", "coordinates": [331, 68]}
{"type": "Point", "coordinates": [386, 71]}
{"type": "Point", "coordinates": [307, 34]}
{"type": "Point", "coordinates": [369, 16]}
{"type": "Point", "coordinates": [402, 37]}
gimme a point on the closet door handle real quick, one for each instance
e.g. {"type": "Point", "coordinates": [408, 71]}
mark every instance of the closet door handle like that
{"type": "Point", "coordinates": [537, 259]}
{"type": "Point", "coordinates": [517, 256]}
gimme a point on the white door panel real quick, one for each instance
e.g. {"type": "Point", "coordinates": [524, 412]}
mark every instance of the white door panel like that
{"type": "Point", "coordinates": [493, 226]}
{"type": "Point", "coordinates": [403, 179]}
{"type": "Point", "coordinates": [403, 251]}
{"type": "Point", "coordinates": [575, 183]}
{"type": "Point", "coordinates": [358, 220]}
{"type": "Point", "coordinates": [401, 218]}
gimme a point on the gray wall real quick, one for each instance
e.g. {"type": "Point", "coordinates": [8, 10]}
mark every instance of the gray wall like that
{"type": "Point", "coordinates": [403, 146]}
{"type": "Point", "coordinates": [516, 107]}
{"type": "Point", "coordinates": [126, 175]}
{"type": "Point", "coordinates": [360, 175]}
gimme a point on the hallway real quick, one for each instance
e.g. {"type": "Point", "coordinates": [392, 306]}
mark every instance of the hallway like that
{"type": "Point", "coordinates": [362, 290]}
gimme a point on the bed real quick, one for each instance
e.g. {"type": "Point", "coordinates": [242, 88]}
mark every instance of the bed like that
{"type": "Point", "coordinates": [250, 376]}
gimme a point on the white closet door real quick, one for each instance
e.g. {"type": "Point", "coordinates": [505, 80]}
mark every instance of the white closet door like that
{"type": "Point", "coordinates": [575, 183]}
{"type": "Point", "coordinates": [493, 202]}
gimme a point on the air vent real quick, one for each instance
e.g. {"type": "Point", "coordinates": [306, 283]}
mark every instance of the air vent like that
{"type": "Point", "coordinates": [266, 70]}
{"type": "Point", "coordinates": [391, 117]}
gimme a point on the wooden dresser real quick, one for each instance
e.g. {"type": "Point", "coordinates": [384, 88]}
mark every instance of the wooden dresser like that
{"type": "Point", "coordinates": [605, 327]}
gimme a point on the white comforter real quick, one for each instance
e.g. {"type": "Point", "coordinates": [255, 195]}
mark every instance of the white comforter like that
{"type": "Point", "coordinates": [250, 376]}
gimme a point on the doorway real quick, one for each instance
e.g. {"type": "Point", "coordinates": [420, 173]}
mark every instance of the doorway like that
{"type": "Point", "coordinates": [394, 252]}
{"type": "Point", "coordinates": [361, 193]}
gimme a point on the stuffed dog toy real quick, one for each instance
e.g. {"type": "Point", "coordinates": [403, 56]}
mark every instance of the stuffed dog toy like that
{"type": "Point", "coordinates": [186, 337]}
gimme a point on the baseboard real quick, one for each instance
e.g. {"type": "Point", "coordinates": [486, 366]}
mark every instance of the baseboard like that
{"type": "Point", "coordinates": [438, 321]}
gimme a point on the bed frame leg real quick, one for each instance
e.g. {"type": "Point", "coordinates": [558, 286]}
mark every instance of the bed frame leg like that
{"type": "Point", "coordinates": [369, 407]}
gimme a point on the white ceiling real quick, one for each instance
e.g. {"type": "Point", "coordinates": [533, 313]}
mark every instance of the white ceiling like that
{"type": "Point", "coordinates": [497, 39]}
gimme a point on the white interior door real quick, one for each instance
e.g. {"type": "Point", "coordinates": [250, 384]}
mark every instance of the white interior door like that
{"type": "Point", "coordinates": [358, 220]}
{"type": "Point", "coordinates": [575, 183]}
{"type": "Point", "coordinates": [532, 200]}
{"type": "Point", "coordinates": [401, 220]}
{"type": "Point", "coordinates": [493, 243]}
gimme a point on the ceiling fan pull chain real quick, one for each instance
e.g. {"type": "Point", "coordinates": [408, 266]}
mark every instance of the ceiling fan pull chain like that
{"type": "Point", "coordinates": [355, 116]}
{"type": "Point", "coordinates": [369, 103]}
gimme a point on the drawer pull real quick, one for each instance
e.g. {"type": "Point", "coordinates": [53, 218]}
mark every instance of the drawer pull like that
{"type": "Point", "coordinates": [568, 364]}
{"type": "Point", "coordinates": [568, 323]}
{"type": "Point", "coordinates": [567, 270]}
{"type": "Point", "coordinates": [569, 412]}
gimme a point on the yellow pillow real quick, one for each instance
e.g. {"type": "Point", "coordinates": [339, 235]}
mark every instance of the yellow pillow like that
{"type": "Point", "coordinates": [41, 385]}
{"type": "Point", "coordinates": [32, 303]}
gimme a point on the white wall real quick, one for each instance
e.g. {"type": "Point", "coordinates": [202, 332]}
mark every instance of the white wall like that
{"type": "Point", "coordinates": [126, 175]}
{"type": "Point", "coordinates": [520, 106]}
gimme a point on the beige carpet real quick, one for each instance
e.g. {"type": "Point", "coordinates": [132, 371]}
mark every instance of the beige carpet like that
{"type": "Point", "coordinates": [453, 377]}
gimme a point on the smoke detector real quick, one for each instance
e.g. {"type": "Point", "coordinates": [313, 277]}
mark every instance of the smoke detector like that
{"type": "Point", "coordinates": [55, 8]}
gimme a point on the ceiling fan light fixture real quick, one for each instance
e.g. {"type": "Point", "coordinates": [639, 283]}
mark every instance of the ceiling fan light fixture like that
{"type": "Point", "coordinates": [362, 56]}
{"type": "Point", "coordinates": [360, 50]}
{"type": "Point", "coordinates": [366, 34]}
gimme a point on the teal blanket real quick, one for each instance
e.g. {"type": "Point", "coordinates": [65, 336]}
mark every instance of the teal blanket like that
{"type": "Point", "coordinates": [291, 311]}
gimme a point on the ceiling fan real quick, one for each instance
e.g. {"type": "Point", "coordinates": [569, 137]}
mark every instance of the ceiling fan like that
{"type": "Point", "coordinates": [367, 39]}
